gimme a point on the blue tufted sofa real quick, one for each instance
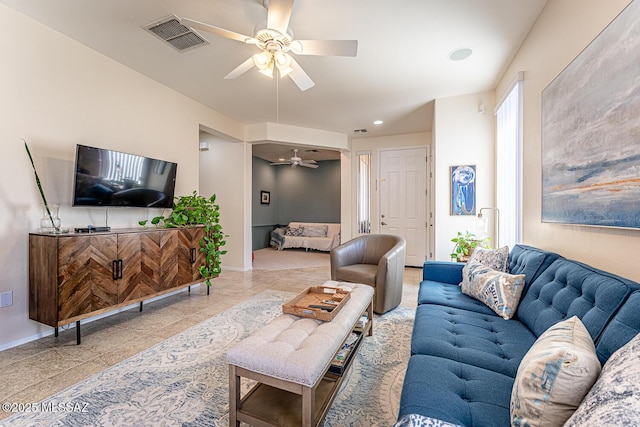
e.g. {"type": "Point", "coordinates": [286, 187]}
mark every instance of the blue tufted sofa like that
{"type": "Point", "coordinates": [464, 357]}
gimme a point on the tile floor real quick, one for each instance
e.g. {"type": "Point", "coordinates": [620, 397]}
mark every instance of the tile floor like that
{"type": "Point", "coordinates": [38, 369]}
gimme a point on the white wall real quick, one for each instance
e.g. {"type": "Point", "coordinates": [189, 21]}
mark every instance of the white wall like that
{"type": "Point", "coordinates": [57, 93]}
{"type": "Point", "coordinates": [462, 136]}
{"type": "Point", "coordinates": [223, 172]}
{"type": "Point", "coordinates": [562, 31]}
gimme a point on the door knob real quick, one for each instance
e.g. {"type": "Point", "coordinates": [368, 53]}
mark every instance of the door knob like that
{"type": "Point", "coordinates": [383, 223]}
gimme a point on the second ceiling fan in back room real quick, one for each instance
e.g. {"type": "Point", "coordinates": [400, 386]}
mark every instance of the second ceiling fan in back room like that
{"type": "Point", "coordinates": [296, 161]}
{"type": "Point", "coordinates": [276, 44]}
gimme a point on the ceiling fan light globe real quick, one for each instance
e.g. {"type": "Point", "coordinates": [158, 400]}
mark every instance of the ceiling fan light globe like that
{"type": "Point", "coordinates": [262, 60]}
{"type": "Point", "coordinates": [282, 59]}
{"type": "Point", "coordinates": [268, 71]}
{"type": "Point", "coordinates": [283, 62]}
{"type": "Point", "coordinates": [264, 63]}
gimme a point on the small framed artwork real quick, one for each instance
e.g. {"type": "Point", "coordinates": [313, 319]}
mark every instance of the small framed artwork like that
{"type": "Point", "coordinates": [265, 197]}
{"type": "Point", "coordinates": [463, 190]}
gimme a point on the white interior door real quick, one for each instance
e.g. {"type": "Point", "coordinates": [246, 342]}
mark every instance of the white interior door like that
{"type": "Point", "coordinates": [403, 199]}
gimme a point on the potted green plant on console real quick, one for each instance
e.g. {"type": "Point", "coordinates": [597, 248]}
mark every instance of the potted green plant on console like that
{"type": "Point", "coordinates": [197, 210]}
{"type": "Point", "coordinates": [465, 243]}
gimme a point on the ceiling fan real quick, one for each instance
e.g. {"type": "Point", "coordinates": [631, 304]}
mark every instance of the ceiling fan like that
{"type": "Point", "coordinates": [276, 43]}
{"type": "Point", "coordinates": [297, 161]}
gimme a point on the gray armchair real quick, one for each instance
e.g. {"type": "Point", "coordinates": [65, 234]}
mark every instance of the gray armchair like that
{"type": "Point", "coordinates": [376, 260]}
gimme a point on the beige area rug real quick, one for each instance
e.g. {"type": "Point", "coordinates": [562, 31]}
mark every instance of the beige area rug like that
{"type": "Point", "coordinates": [183, 381]}
{"type": "Point", "coordinates": [287, 259]}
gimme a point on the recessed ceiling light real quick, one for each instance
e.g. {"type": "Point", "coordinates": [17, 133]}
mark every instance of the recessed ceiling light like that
{"type": "Point", "coordinates": [378, 122]}
{"type": "Point", "coordinates": [460, 54]}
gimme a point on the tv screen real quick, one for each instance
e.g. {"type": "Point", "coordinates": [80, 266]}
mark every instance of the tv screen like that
{"type": "Point", "coordinates": [111, 178]}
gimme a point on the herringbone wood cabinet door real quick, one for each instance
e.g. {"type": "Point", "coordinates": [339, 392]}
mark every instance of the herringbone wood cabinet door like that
{"type": "Point", "coordinates": [169, 260]}
{"type": "Point", "coordinates": [85, 274]}
{"type": "Point", "coordinates": [141, 255]}
{"type": "Point", "coordinates": [190, 257]}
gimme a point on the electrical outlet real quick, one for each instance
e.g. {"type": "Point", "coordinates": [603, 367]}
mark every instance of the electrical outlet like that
{"type": "Point", "coordinates": [6, 299]}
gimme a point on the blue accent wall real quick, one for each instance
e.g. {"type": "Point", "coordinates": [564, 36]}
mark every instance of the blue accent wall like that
{"type": "Point", "coordinates": [297, 194]}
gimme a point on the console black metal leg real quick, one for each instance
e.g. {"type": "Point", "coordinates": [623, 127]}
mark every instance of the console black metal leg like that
{"type": "Point", "coordinates": [189, 288]}
{"type": "Point", "coordinates": [56, 331]}
{"type": "Point", "coordinates": [78, 332]}
{"type": "Point", "coordinates": [208, 287]}
{"type": "Point", "coordinates": [140, 305]}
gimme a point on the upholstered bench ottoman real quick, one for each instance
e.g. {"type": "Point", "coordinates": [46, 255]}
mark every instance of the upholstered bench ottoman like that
{"type": "Point", "coordinates": [289, 358]}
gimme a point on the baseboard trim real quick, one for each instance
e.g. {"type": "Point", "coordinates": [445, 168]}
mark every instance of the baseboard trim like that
{"type": "Point", "coordinates": [50, 330]}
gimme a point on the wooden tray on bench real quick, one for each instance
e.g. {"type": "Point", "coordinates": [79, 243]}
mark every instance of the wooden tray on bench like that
{"type": "Point", "coordinates": [301, 305]}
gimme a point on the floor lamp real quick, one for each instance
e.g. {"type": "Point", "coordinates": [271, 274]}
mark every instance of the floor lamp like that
{"type": "Point", "coordinates": [483, 223]}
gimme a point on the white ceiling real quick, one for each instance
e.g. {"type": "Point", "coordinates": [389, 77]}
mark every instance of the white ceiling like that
{"type": "Point", "coordinates": [401, 67]}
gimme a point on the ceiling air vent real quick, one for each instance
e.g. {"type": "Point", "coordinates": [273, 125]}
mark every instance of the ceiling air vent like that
{"type": "Point", "coordinates": [177, 35]}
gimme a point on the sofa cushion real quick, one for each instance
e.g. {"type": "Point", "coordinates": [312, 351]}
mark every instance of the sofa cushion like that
{"type": "Point", "coordinates": [530, 261]}
{"type": "Point", "coordinates": [455, 392]}
{"type": "Point", "coordinates": [554, 376]}
{"type": "Point", "coordinates": [498, 290]}
{"type": "Point", "coordinates": [449, 295]}
{"type": "Point", "coordinates": [483, 340]}
{"type": "Point", "coordinates": [623, 327]}
{"type": "Point", "coordinates": [613, 399]}
{"type": "Point", "coordinates": [569, 288]}
{"type": "Point", "coordinates": [358, 273]}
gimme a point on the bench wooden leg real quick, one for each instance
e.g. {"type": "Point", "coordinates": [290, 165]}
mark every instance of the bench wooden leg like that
{"type": "Point", "coordinates": [234, 396]}
{"type": "Point", "coordinates": [308, 403]}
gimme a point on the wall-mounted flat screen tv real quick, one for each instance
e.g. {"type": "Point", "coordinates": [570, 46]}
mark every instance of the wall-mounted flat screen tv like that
{"type": "Point", "coordinates": [111, 178]}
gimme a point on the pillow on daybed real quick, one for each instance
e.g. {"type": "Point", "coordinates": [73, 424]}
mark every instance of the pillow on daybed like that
{"type": "Point", "coordinates": [315, 230]}
{"type": "Point", "coordinates": [294, 231]}
{"type": "Point", "coordinates": [554, 375]}
{"type": "Point", "coordinates": [613, 399]}
{"type": "Point", "coordinates": [498, 290]}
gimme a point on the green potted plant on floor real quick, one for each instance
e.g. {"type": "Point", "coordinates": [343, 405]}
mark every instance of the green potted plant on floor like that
{"type": "Point", "coordinates": [465, 243]}
{"type": "Point", "coordinates": [195, 210]}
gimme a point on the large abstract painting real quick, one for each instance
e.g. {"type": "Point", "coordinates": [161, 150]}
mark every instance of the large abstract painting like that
{"type": "Point", "coordinates": [591, 132]}
{"type": "Point", "coordinates": [463, 190]}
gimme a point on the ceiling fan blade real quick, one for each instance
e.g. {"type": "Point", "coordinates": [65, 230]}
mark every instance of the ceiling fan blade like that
{"type": "Point", "coordinates": [299, 77]}
{"type": "Point", "coordinates": [217, 31]}
{"type": "Point", "coordinates": [279, 14]}
{"type": "Point", "coordinates": [308, 165]}
{"type": "Point", "coordinates": [279, 163]}
{"type": "Point", "coordinates": [325, 47]}
{"type": "Point", "coordinates": [240, 69]}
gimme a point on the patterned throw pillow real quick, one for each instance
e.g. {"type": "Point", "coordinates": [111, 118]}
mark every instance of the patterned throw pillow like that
{"type": "Point", "coordinates": [613, 399]}
{"type": "Point", "coordinates": [498, 290]}
{"type": "Point", "coordinates": [417, 420]}
{"type": "Point", "coordinates": [315, 230]}
{"type": "Point", "coordinates": [554, 375]}
{"type": "Point", "coordinates": [294, 231]}
{"type": "Point", "coordinates": [496, 259]}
